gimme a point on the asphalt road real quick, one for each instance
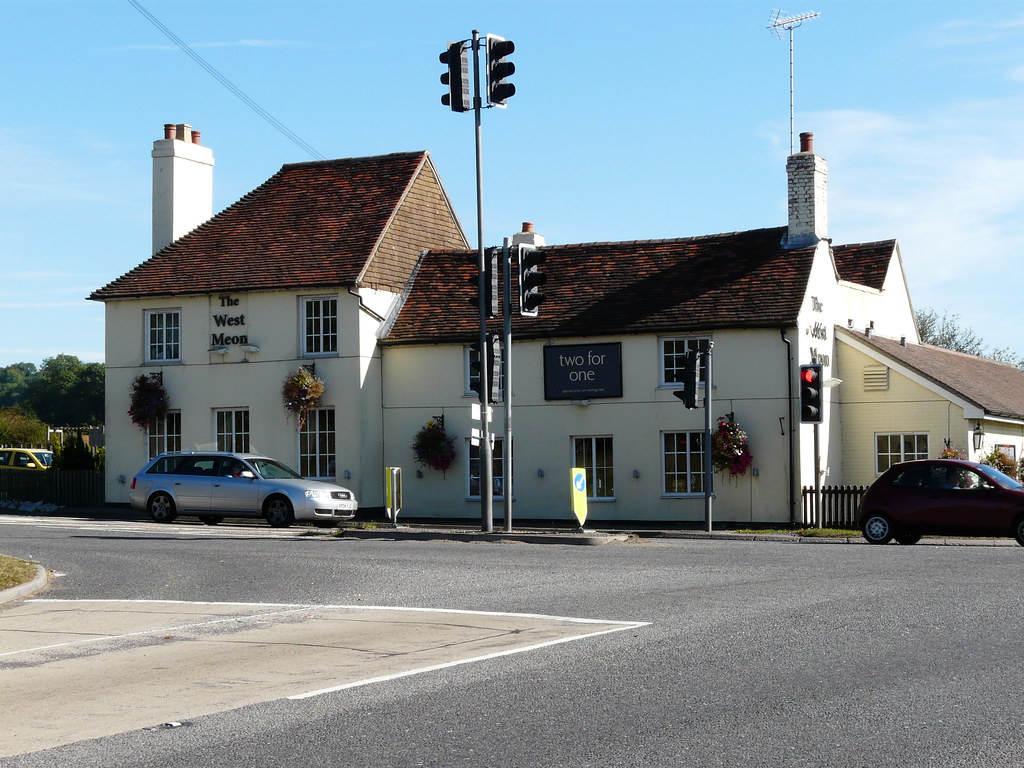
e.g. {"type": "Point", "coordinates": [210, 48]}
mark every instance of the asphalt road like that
{"type": "Point", "coordinates": [744, 653]}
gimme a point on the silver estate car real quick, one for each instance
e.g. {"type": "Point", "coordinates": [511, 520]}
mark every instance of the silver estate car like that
{"type": "Point", "coordinates": [214, 485]}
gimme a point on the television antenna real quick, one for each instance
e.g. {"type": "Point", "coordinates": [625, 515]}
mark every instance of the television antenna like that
{"type": "Point", "coordinates": [780, 21]}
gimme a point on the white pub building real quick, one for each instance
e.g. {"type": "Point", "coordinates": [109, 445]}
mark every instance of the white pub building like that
{"type": "Point", "coordinates": [359, 270]}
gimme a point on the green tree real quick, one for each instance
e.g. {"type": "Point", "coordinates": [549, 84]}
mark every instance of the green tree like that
{"type": "Point", "coordinates": [20, 428]}
{"type": "Point", "coordinates": [73, 453]}
{"type": "Point", "coordinates": [67, 392]}
{"type": "Point", "coordinates": [947, 331]}
{"type": "Point", "coordinates": [13, 383]}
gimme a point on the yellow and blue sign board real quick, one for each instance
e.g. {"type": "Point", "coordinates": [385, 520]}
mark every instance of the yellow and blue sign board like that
{"type": "Point", "coordinates": [579, 493]}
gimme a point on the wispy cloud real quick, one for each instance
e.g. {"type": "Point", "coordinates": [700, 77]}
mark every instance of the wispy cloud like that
{"type": "Point", "coordinates": [977, 30]}
{"type": "Point", "coordinates": [948, 183]}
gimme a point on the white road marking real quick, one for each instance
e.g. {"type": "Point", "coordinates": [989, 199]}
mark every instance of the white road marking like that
{"type": "Point", "coordinates": [485, 657]}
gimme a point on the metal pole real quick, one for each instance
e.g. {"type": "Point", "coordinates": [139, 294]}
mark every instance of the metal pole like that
{"type": "Point", "coordinates": [791, 91]}
{"type": "Point", "coordinates": [486, 481]}
{"type": "Point", "coordinates": [506, 351]}
{"type": "Point", "coordinates": [817, 477]}
{"type": "Point", "coordinates": [708, 476]}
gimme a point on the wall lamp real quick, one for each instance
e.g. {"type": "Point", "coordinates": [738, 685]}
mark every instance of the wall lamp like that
{"type": "Point", "coordinates": [218, 350]}
{"type": "Point", "coordinates": [251, 347]}
{"type": "Point", "coordinates": [979, 435]}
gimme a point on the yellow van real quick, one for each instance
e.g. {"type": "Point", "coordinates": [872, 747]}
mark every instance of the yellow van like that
{"type": "Point", "coordinates": [25, 458]}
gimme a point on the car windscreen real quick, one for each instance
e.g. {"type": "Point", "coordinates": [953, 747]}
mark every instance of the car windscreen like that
{"type": "Point", "coordinates": [274, 470]}
{"type": "Point", "coordinates": [998, 477]}
{"type": "Point", "coordinates": [45, 457]}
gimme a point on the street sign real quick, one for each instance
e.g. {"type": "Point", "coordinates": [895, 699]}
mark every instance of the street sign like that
{"type": "Point", "coordinates": [579, 493]}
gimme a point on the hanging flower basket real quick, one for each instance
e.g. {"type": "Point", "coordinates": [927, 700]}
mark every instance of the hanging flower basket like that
{"type": "Point", "coordinates": [301, 392]}
{"type": "Point", "coordinates": [729, 448]}
{"type": "Point", "coordinates": [149, 400]}
{"type": "Point", "coordinates": [434, 448]}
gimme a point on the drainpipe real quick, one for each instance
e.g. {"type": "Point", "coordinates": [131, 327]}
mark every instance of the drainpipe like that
{"type": "Point", "coordinates": [792, 432]}
{"type": "Point", "coordinates": [362, 306]}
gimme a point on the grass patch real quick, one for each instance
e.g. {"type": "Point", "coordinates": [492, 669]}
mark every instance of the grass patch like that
{"type": "Point", "coordinates": [14, 572]}
{"type": "Point", "coordinates": [828, 533]}
{"type": "Point", "coordinates": [811, 533]}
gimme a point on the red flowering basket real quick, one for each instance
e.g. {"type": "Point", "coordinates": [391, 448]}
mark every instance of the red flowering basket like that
{"type": "Point", "coordinates": [730, 449]}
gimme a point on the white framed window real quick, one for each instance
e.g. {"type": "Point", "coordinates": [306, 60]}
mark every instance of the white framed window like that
{"type": "Point", "coordinates": [319, 325]}
{"type": "Point", "coordinates": [673, 350]}
{"type": "Point", "coordinates": [497, 469]}
{"type": "Point", "coordinates": [233, 430]}
{"type": "Point", "coordinates": [595, 454]}
{"type": "Point", "coordinates": [164, 434]}
{"type": "Point", "coordinates": [163, 335]}
{"type": "Point", "coordinates": [682, 463]}
{"type": "Point", "coordinates": [894, 447]}
{"type": "Point", "coordinates": [317, 451]}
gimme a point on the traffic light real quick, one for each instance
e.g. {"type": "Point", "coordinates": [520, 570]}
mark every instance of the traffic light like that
{"type": "Point", "coordinates": [492, 359]}
{"type": "Point", "coordinates": [456, 78]}
{"type": "Point", "coordinates": [691, 379]}
{"type": "Point", "coordinates": [499, 91]}
{"type": "Point", "coordinates": [810, 393]}
{"type": "Point", "coordinates": [530, 280]}
{"type": "Point", "coordinates": [489, 292]}
{"type": "Point", "coordinates": [494, 372]}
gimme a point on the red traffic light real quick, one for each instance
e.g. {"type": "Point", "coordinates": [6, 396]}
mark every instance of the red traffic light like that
{"type": "Point", "coordinates": [811, 404]}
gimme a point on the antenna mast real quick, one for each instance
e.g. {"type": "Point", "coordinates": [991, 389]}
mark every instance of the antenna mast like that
{"type": "Point", "coordinates": [777, 23]}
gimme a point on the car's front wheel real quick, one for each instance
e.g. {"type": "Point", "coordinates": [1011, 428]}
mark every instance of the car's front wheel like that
{"type": "Point", "coordinates": [278, 512]}
{"type": "Point", "coordinates": [161, 507]}
{"type": "Point", "coordinates": [877, 529]}
{"type": "Point", "coordinates": [1018, 530]}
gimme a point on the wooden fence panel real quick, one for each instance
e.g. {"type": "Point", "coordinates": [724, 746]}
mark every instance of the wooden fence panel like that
{"type": "Point", "coordinates": [63, 487]}
{"type": "Point", "coordinates": [838, 505]}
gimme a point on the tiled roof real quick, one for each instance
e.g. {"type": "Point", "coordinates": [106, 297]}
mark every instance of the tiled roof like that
{"type": "Point", "coordinates": [741, 279]}
{"type": "Point", "coordinates": [864, 263]}
{"type": "Point", "coordinates": [310, 225]}
{"type": "Point", "coordinates": [997, 388]}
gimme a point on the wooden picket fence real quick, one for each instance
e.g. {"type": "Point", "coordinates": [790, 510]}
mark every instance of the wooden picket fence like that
{"type": "Point", "coordinates": [838, 505]}
{"type": "Point", "coordinates": [63, 487]}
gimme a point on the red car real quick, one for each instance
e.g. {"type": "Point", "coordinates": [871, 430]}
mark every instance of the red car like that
{"type": "Point", "coordinates": [941, 496]}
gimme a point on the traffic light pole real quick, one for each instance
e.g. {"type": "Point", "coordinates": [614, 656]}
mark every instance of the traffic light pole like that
{"type": "Point", "coordinates": [817, 476]}
{"type": "Point", "coordinates": [506, 366]}
{"type": "Point", "coordinates": [709, 490]}
{"type": "Point", "coordinates": [499, 90]}
{"type": "Point", "coordinates": [486, 469]}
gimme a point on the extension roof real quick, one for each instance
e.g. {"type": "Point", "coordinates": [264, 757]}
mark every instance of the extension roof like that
{"type": "Point", "coordinates": [864, 263]}
{"type": "Point", "coordinates": [739, 279]}
{"type": "Point", "coordinates": [358, 221]}
{"type": "Point", "coordinates": [996, 388]}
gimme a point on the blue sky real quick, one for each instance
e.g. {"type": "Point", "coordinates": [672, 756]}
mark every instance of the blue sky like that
{"type": "Point", "coordinates": [634, 119]}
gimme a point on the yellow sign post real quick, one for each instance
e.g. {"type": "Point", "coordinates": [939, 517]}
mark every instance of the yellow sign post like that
{"type": "Point", "coordinates": [579, 493]}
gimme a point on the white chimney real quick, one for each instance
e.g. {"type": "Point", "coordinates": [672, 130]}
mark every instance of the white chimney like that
{"type": "Point", "coordinates": [528, 236]}
{"type": "Point", "coordinates": [808, 196]}
{"type": "Point", "coordinates": [182, 184]}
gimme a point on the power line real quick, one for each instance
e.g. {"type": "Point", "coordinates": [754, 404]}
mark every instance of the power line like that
{"type": "Point", "coordinates": [277, 124]}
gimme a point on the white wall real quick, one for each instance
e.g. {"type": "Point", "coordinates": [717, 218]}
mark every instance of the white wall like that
{"type": "Point", "coordinates": [203, 381]}
{"type": "Point", "coordinates": [749, 373]}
